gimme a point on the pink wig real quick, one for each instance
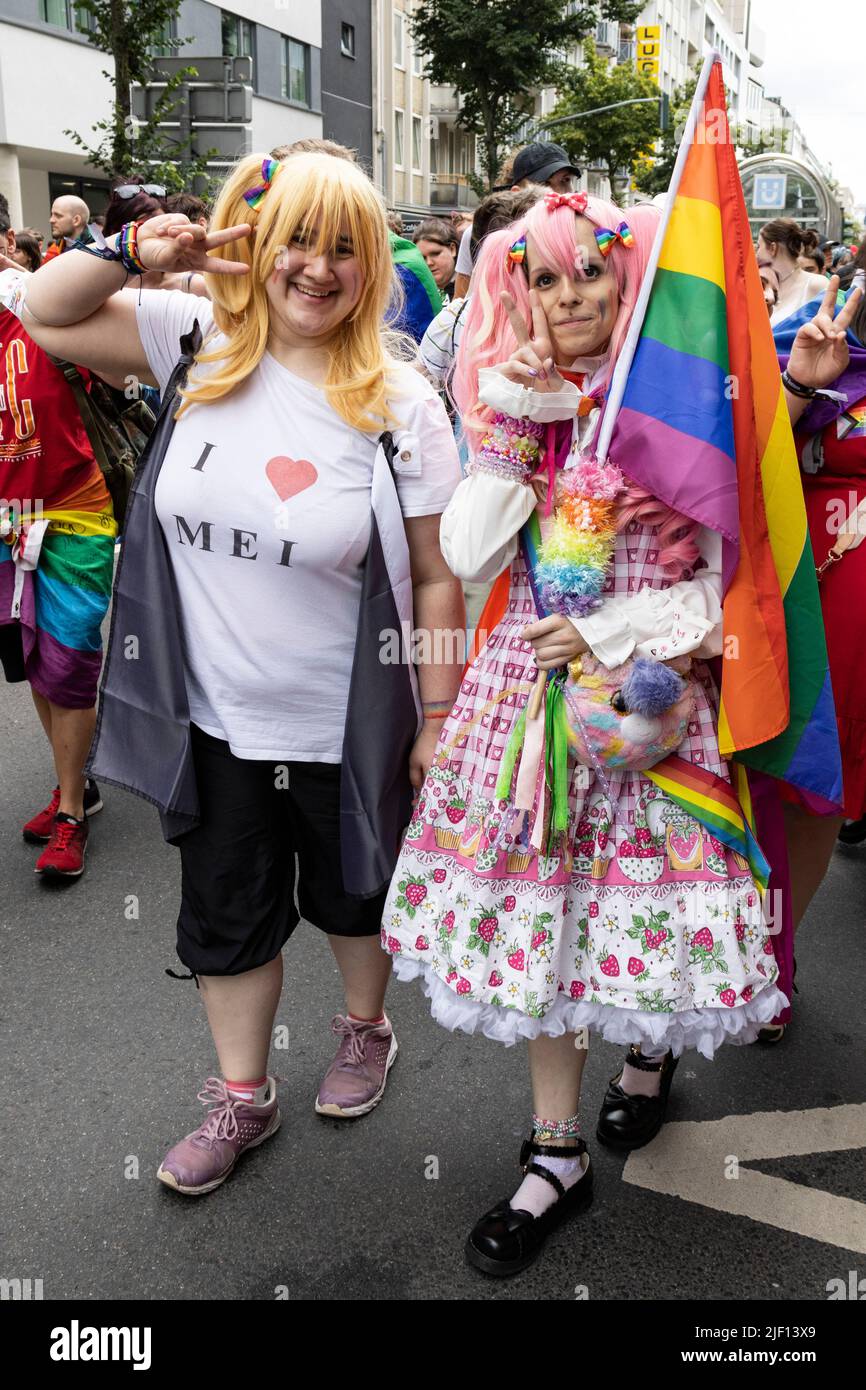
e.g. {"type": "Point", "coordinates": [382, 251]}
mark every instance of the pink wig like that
{"type": "Point", "coordinates": [488, 338]}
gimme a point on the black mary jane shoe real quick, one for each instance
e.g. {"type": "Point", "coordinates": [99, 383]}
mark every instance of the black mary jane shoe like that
{"type": "Point", "coordinates": [507, 1239]}
{"type": "Point", "coordinates": [628, 1122]}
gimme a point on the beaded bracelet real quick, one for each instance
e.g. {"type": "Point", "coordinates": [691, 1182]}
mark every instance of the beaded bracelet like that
{"type": "Point", "coordinates": [510, 449]}
{"type": "Point", "coordinates": [555, 1129]}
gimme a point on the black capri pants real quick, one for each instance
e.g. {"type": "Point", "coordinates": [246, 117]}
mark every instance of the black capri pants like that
{"type": "Point", "coordinates": [238, 904]}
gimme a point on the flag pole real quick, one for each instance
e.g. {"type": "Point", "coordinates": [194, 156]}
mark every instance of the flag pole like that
{"type": "Point", "coordinates": [623, 365]}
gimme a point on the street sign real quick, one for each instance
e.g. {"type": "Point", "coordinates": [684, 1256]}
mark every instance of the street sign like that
{"type": "Point", "coordinates": [211, 104]}
{"type": "Point", "coordinates": [769, 192]}
{"type": "Point", "coordinates": [222, 143]}
{"type": "Point", "coordinates": [649, 50]}
{"type": "Point", "coordinates": [208, 69]}
{"type": "Point", "coordinates": [209, 114]}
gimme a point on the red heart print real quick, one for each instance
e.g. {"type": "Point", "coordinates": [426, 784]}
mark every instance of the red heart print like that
{"type": "Point", "coordinates": [288, 476]}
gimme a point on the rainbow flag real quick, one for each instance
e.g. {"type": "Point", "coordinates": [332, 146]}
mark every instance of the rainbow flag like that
{"type": "Point", "coordinates": [713, 801]}
{"type": "Point", "coordinates": [696, 413]}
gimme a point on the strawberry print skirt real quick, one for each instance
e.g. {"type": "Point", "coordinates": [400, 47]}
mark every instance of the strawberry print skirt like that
{"type": "Point", "coordinates": [642, 926]}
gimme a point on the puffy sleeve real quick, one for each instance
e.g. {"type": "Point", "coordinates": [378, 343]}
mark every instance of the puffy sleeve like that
{"type": "Point", "coordinates": [522, 403]}
{"type": "Point", "coordinates": [662, 623]}
{"type": "Point", "coordinates": [480, 527]}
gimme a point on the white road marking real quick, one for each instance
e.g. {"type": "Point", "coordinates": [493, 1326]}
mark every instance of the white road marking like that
{"type": "Point", "coordinates": [688, 1160]}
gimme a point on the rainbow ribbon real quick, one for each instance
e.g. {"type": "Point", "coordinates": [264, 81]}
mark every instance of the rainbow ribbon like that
{"type": "Point", "coordinates": [607, 239]}
{"type": "Point", "coordinates": [254, 195]}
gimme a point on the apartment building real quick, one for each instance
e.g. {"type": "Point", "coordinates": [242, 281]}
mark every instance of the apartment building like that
{"type": "Point", "coordinates": [401, 112]}
{"type": "Point", "coordinates": [51, 80]}
{"type": "Point", "coordinates": [348, 46]}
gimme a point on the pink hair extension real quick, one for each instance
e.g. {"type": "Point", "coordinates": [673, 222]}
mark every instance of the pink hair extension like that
{"type": "Point", "coordinates": [677, 534]}
{"type": "Point", "coordinates": [488, 338]}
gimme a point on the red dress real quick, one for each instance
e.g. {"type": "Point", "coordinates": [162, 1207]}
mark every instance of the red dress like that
{"type": "Point", "coordinates": [836, 489]}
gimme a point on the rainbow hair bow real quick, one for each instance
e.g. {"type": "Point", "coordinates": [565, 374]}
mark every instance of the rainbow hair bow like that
{"type": "Point", "coordinates": [607, 239]}
{"type": "Point", "coordinates": [254, 195]}
{"type": "Point", "coordinates": [575, 201]}
{"type": "Point", "coordinates": [517, 252]}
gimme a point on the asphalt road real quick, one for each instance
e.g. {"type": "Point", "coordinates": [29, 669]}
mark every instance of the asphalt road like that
{"type": "Point", "coordinates": [103, 1056]}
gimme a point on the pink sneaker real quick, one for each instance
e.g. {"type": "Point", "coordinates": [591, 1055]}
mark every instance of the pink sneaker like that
{"type": "Point", "coordinates": [205, 1158]}
{"type": "Point", "coordinates": [355, 1081]}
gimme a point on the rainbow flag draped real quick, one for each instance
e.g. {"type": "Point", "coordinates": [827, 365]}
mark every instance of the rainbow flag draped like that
{"type": "Point", "coordinates": [696, 413]}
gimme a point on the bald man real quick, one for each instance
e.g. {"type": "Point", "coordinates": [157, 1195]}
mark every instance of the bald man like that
{"type": "Point", "coordinates": [69, 218]}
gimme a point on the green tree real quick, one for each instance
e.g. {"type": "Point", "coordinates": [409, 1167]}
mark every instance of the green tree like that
{"type": "Point", "coordinates": [613, 139]}
{"type": "Point", "coordinates": [130, 31]}
{"type": "Point", "coordinates": [497, 54]}
{"type": "Point", "coordinates": [652, 174]}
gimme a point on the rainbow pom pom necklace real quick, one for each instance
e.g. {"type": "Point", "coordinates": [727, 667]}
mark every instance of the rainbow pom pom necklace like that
{"type": "Point", "coordinates": [575, 559]}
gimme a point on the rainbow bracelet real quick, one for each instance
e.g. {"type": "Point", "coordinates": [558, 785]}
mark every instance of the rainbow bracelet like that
{"type": "Point", "coordinates": [127, 246]}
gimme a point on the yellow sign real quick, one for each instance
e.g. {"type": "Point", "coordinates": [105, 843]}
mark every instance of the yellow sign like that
{"type": "Point", "coordinates": [649, 50]}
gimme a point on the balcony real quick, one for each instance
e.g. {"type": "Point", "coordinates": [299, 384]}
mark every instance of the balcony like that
{"type": "Point", "coordinates": [607, 37]}
{"type": "Point", "coordinates": [757, 45]}
{"type": "Point", "coordinates": [444, 103]}
{"type": "Point", "coordinates": [451, 191]}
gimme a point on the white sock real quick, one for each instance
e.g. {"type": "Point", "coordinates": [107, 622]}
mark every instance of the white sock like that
{"type": "Point", "coordinates": [250, 1095]}
{"type": "Point", "coordinates": [536, 1194]}
{"type": "Point", "coordinates": [642, 1083]}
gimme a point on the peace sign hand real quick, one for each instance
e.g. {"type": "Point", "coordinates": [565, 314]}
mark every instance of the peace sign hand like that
{"type": "Point", "coordinates": [532, 364]}
{"type": "Point", "coordinates": [820, 352]}
{"type": "Point", "coordinates": [171, 242]}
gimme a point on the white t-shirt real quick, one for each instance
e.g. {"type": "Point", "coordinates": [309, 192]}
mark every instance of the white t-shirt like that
{"type": "Point", "coordinates": [463, 265]}
{"type": "Point", "coordinates": [264, 499]}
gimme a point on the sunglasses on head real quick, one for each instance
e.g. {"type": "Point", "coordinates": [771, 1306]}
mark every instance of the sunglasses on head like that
{"type": "Point", "coordinates": [129, 190]}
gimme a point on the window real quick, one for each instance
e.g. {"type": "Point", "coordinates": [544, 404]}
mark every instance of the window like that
{"type": "Point", "coordinates": [95, 192]}
{"type": "Point", "coordinates": [398, 39]}
{"type": "Point", "coordinates": [398, 139]}
{"type": "Point", "coordinates": [296, 82]}
{"type": "Point", "coordinates": [66, 15]}
{"type": "Point", "coordinates": [417, 61]}
{"type": "Point", "coordinates": [237, 36]}
{"type": "Point", "coordinates": [347, 40]}
{"type": "Point", "coordinates": [417, 143]}
{"type": "Point", "coordinates": [166, 46]}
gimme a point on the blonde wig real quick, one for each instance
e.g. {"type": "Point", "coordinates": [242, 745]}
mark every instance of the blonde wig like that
{"type": "Point", "coordinates": [318, 198]}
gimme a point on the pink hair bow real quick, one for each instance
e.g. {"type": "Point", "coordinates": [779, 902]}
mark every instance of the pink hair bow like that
{"type": "Point", "coordinates": [575, 201]}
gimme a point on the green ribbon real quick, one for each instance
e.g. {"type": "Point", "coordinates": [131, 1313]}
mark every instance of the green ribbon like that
{"type": "Point", "coordinates": [556, 755]}
{"type": "Point", "coordinates": [512, 752]}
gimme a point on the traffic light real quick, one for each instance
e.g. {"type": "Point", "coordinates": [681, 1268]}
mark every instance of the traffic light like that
{"type": "Point", "coordinates": [664, 111]}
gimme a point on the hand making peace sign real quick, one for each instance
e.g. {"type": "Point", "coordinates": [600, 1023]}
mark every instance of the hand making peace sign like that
{"type": "Point", "coordinates": [532, 364]}
{"type": "Point", "coordinates": [820, 353]}
{"type": "Point", "coordinates": [171, 242]}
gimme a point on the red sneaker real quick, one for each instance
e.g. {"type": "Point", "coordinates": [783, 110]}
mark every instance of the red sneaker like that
{"type": "Point", "coordinates": [38, 830]}
{"type": "Point", "coordinates": [63, 856]}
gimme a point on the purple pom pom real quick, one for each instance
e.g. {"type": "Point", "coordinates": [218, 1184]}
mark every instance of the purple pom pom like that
{"type": "Point", "coordinates": [651, 688]}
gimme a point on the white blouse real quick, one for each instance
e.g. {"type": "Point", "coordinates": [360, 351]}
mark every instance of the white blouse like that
{"type": "Point", "coordinates": [479, 539]}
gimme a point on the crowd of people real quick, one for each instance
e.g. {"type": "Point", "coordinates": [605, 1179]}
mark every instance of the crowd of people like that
{"type": "Point", "coordinates": [351, 431]}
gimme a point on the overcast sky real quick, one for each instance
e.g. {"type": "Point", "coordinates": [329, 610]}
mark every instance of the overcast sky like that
{"type": "Point", "coordinates": [816, 64]}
